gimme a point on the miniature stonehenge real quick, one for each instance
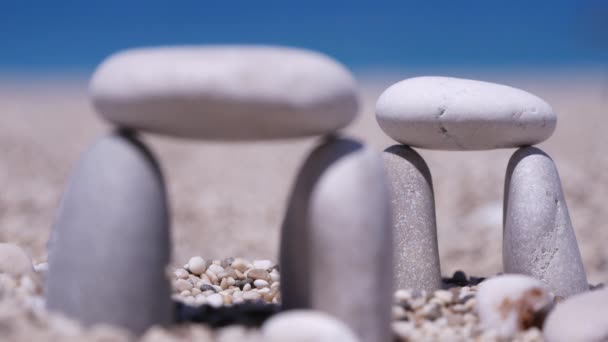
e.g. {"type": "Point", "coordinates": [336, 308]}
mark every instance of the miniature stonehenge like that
{"type": "Point", "coordinates": [445, 113]}
{"type": "Point", "coordinates": [350, 205]}
{"type": "Point", "coordinates": [223, 93]}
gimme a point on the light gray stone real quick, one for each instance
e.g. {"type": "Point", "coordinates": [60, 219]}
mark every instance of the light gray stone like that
{"type": "Point", "coordinates": [512, 303]}
{"type": "Point", "coordinates": [306, 326]}
{"type": "Point", "coordinates": [110, 243]}
{"type": "Point", "coordinates": [225, 92]}
{"type": "Point", "coordinates": [445, 113]}
{"type": "Point", "coordinates": [414, 226]}
{"type": "Point", "coordinates": [583, 317]}
{"type": "Point", "coordinates": [14, 260]}
{"type": "Point", "coordinates": [336, 250]}
{"type": "Point", "coordinates": [538, 238]}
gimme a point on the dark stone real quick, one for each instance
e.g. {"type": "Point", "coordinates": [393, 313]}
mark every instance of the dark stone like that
{"type": "Point", "coordinates": [250, 314]}
{"type": "Point", "coordinates": [207, 287]}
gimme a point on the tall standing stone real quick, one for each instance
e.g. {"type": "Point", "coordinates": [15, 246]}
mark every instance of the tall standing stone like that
{"type": "Point", "coordinates": [110, 244]}
{"type": "Point", "coordinates": [538, 239]}
{"type": "Point", "coordinates": [414, 224]}
{"type": "Point", "coordinates": [336, 250]}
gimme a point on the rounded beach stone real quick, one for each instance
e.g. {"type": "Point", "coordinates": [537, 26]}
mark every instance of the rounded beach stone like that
{"type": "Point", "coordinates": [225, 92]}
{"type": "Point", "coordinates": [538, 237]}
{"type": "Point", "coordinates": [14, 260]}
{"type": "Point", "coordinates": [583, 317]}
{"type": "Point", "coordinates": [511, 303]}
{"type": "Point", "coordinates": [414, 225]}
{"type": "Point", "coordinates": [306, 326]}
{"type": "Point", "coordinates": [110, 242]}
{"type": "Point", "coordinates": [338, 231]}
{"type": "Point", "coordinates": [197, 265]}
{"type": "Point", "coordinates": [445, 113]}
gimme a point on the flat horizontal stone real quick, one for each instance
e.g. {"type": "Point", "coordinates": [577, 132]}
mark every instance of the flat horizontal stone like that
{"type": "Point", "coordinates": [225, 92]}
{"type": "Point", "coordinates": [444, 113]}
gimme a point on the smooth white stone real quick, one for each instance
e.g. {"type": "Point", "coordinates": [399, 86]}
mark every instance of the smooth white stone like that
{"type": "Point", "coordinates": [511, 303]}
{"type": "Point", "coordinates": [225, 92]}
{"type": "Point", "coordinates": [262, 264]}
{"type": "Point", "coordinates": [197, 265]}
{"type": "Point", "coordinates": [446, 113]}
{"type": "Point", "coordinates": [216, 300]}
{"type": "Point", "coordinates": [583, 317]}
{"type": "Point", "coordinates": [14, 260]}
{"type": "Point", "coordinates": [215, 269]}
{"type": "Point", "coordinates": [259, 283]}
{"type": "Point", "coordinates": [306, 326]}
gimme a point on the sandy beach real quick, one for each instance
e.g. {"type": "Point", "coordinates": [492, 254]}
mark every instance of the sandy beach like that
{"type": "Point", "coordinates": [229, 199]}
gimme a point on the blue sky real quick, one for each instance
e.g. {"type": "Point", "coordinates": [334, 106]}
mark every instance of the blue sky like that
{"type": "Point", "coordinates": [76, 35]}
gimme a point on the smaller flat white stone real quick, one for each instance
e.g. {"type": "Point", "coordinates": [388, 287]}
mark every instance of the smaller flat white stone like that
{"type": "Point", "coordinates": [444, 113]}
{"type": "Point", "coordinates": [510, 303]}
{"type": "Point", "coordinates": [583, 317]}
{"type": "Point", "coordinates": [225, 92]}
{"type": "Point", "coordinates": [306, 326]}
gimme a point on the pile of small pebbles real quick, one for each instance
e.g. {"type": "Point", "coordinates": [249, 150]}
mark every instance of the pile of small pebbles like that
{"type": "Point", "coordinates": [218, 300]}
{"type": "Point", "coordinates": [224, 282]}
{"type": "Point", "coordinates": [449, 314]}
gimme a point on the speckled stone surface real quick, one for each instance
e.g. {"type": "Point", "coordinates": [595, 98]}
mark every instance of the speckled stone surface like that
{"type": "Point", "coordinates": [225, 92]}
{"type": "Point", "coordinates": [446, 113]}
{"type": "Point", "coordinates": [583, 317]}
{"type": "Point", "coordinates": [538, 239]}
{"type": "Point", "coordinates": [110, 242]}
{"type": "Point", "coordinates": [339, 221]}
{"type": "Point", "coordinates": [416, 257]}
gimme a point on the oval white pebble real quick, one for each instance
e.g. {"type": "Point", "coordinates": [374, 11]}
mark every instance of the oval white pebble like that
{"type": "Point", "coordinates": [216, 300]}
{"type": "Point", "coordinates": [197, 265]}
{"type": "Point", "coordinates": [583, 317]}
{"type": "Point", "coordinates": [445, 113]}
{"type": "Point", "coordinates": [306, 326]}
{"type": "Point", "coordinates": [511, 303]}
{"type": "Point", "coordinates": [225, 92]}
{"type": "Point", "coordinates": [182, 285]}
{"type": "Point", "coordinates": [262, 264]}
{"type": "Point", "coordinates": [259, 283]}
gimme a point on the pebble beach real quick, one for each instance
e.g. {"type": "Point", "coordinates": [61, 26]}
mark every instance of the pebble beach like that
{"type": "Point", "coordinates": [228, 199]}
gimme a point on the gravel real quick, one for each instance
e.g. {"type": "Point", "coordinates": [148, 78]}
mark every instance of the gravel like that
{"type": "Point", "coordinates": [212, 312]}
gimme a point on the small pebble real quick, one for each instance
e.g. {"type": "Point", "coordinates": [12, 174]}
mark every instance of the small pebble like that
{"type": "Point", "coordinates": [197, 265]}
{"type": "Point", "coordinates": [262, 264]}
{"type": "Point", "coordinates": [259, 283]}
{"type": "Point", "coordinates": [216, 300]}
{"type": "Point", "coordinates": [215, 269]}
{"type": "Point", "coordinates": [182, 285]}
{"type": "Point", "coordinates": [257, 274]}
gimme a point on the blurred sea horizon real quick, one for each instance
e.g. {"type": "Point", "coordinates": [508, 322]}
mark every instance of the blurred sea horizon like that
{"type": "Point", "coordinates": [70, 38]}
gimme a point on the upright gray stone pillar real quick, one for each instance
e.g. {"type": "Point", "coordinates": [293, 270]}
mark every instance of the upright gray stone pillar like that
{"type": "Point", "coordinates": [110, 242]}
{"type": "Point", "coordinates": [336, 247]}
{"type": "Point", "coordinates": [538, 239]}
{"type": "Point", "coordinates": [414, 224]}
